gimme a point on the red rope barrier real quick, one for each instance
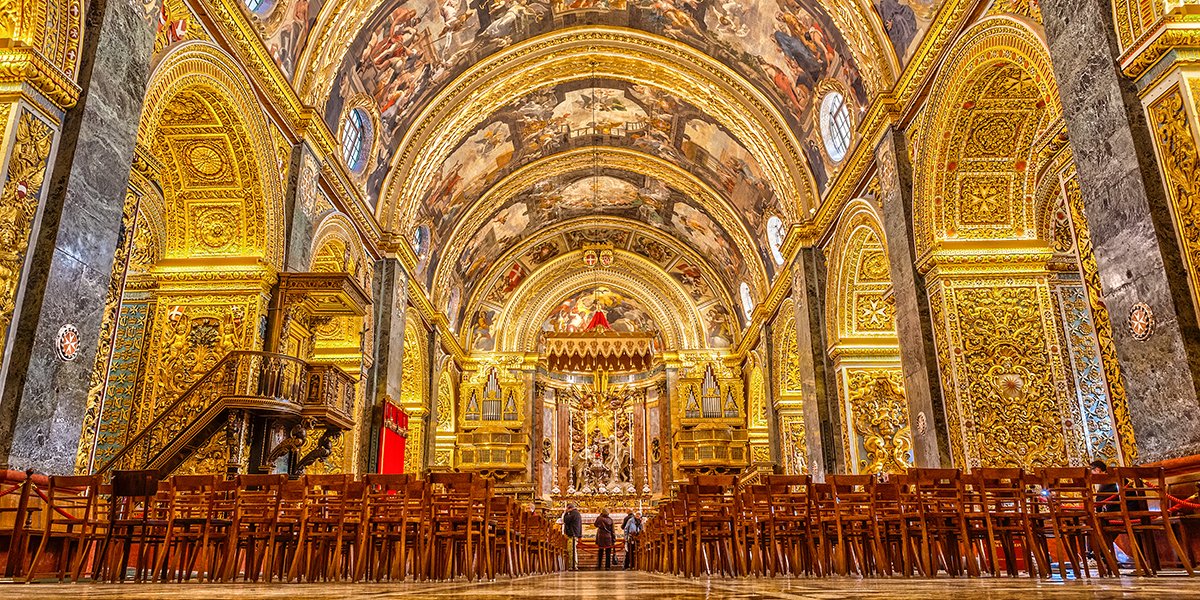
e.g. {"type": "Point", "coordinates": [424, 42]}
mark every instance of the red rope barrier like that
{"type": "Point", "coordinates": [10, 490]}
{"type": "Point", "coordinates": [56, 509]}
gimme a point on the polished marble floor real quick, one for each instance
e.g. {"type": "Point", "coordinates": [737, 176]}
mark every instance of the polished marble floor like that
{"type": "Point", "coordinates": [618, 585]}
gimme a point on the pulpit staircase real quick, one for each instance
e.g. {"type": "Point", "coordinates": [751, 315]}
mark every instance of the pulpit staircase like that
{"type": "Point", "coordinates": [242, 383]}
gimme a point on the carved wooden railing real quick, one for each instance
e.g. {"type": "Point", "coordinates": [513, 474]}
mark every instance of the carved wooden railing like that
{"type": "Point", "coordinates": [330, 396]}
{"type": "Point", "coordinates": [254, 381]}
{"type": "Point", "coordinates": [714, 446]}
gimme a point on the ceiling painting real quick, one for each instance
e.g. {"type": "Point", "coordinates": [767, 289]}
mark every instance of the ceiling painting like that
{"type": "Point", "coordinates": [906, 22]}
{"type": "Point", "coordinates": [568, 196]}
{"type": "Point", "coordinates": [409, 49]}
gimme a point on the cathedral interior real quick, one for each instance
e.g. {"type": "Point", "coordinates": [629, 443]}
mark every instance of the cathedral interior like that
{"type": "Point", "coordinates": [591, 250]}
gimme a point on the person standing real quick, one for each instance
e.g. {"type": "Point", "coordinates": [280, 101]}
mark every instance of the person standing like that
{"type": "Point", "coordinates": [606, 538]}
{"type": "Point", "coordinates": [572, 528]}
{"type": "Point", "coordinates": [632, 526]}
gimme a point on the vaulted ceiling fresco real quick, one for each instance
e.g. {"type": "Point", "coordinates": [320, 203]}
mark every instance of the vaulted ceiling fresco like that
{"type": "Point", "coordinates": [695, 192]}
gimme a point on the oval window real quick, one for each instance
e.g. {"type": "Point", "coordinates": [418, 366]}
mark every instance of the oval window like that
{"type": "Point", "coordinates": [356, 139]}
{"type": "Point", "coordinates": [835, 125]}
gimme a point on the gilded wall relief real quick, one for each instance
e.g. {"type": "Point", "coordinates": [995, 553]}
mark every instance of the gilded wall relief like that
{"type": "Point", "coordinates": [877, 414]}
{"type": "Point", "coordinates": [19, 202]}
{"type": "Point", "coordinates": [1181, 168]}
{"type": "Point", "coordinates": [1003, 349]}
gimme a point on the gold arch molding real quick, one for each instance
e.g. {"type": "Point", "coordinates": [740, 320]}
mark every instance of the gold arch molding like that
{"type": "Point", "coordinates": [579, 53]}
{"type": "Point", "coordinates": [720, 288]}
{"type": "Point", "coordinates": [858, 310]}
{"type": "Point", "coordinates": [519, 322]}
{"type": "Point", "coordinates": [201, 65]}
{"type": "Point", "coordinates": [994, 43]}
{"type": "Point", "coordinates": [581, 159]}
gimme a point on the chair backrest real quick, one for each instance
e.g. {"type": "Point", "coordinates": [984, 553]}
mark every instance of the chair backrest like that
{"type": "Point", "coordinates": [258, 498]}
{"type": "Point", "coordinates": [133, 494]}
{"type": "Point", "coordinates": [1143, 491]}
{"type": "Point", "coordinates": [71, 499]}
{"type": "Point", "coordinates": [1002, 490]}
{"type": "Point", "coordinates": [192, 496]}
{"type": "Point", "coordinates": [1068, 490]}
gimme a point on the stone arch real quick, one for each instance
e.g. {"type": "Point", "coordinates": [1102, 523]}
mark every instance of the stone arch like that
{"type": "Point", "coordinates": [204, 123]}
{"type": "Point", "coordinates": [976, 223]}
{"type": "Point", "coordinates": [620, 54]}
{"type": "Point", "coordinates": [996, 100]}
{"type": "Point", "coordinates": [861, 331]}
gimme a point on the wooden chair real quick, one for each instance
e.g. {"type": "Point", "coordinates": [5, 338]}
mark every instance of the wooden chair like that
{"type": "Point", "coordinates": [329, 520]}
{"type": "Point", "coordinates": [790, 530]}
{"type": "Point", "coordinates": [396, 518]}
{"type": "Point", "coordinates": [458, 540]}
{"type": "Point", "coordinates": [940, 506]}
{"type": "Point", "coordinates": [1069, 494]}
{"type": "Point", "coordinates": [1006, 522]}
{"type": "Point", "coordinates": [709, 510]}
{"type": "Point", "coordinates": [751, 522]}
{"type": "Point", "coordinates": [137, 521]}
{"type": "Point", "coordinates": [69, 519]}
{"type": "Point", "coordinates": [893, 519]}
{"type": "Point", "coordinates": [854, 524]}
{"type": "Point", "coordinates": [1146, 513]}
{"type": "Point", "coordinates": [197, 530]}
{"type": "Point", "coordinates": [253, 533]}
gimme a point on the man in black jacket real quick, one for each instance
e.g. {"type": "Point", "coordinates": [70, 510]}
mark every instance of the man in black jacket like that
{"type": "Point", "coordinates": [572, 528]}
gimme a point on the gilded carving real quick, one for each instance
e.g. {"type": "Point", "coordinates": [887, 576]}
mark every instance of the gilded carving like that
{"type": "Point", "coordinates": [1181, 167]}
{"type": "Point", "coordinates": [879, 417]}
{"type": "Point", "coordinates": [19, 203]}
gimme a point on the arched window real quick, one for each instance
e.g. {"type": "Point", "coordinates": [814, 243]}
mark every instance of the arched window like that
{"type": "Point", "coordinates": [747, 300]}
{"type": "Point", "coordinates": [835, 125]}
{"type": "Point", "coordinates": [775, 238]}
{"type": "Point", "coordinates": [356, 139]}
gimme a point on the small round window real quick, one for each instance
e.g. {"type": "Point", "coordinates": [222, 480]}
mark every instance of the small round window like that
{"type": "Point", "coordinates": [356, 139]}
{"type": "Point", "coordinates": [747, 300]}
{"type": "Point", "coordinates": [835, 125]}
{"type": "Point", "coordinates": [775, 238]}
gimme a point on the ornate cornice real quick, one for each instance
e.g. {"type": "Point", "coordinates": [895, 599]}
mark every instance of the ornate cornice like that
{"type": "Point", "coordinates": [23, 65]}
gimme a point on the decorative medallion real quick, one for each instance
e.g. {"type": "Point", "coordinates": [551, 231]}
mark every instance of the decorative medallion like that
{"type": "Point", "coordinates": [67, 343]}
{"type": "Point", "coordinates": [1141, 321]}
{"type": "Point", "coordinates": [606, 257]}
{"type": "Point", "coordinates": [590, 258]}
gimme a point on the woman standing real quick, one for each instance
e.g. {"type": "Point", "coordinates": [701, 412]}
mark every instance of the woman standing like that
{"type": "Point", "coordinates": [605, 540]}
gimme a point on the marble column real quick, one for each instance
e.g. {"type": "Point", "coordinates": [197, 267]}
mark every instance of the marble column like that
{"type": "Point", "coordinates": [822, 418]}
{"type": "Point", "coordinates": [390, 291]}
{"type": "Point", "coordinates": [71, 257]}
{"type": "Point", "coordinates": [914, 328]}
{"type": "Point", "coordinates": [1129, 217]}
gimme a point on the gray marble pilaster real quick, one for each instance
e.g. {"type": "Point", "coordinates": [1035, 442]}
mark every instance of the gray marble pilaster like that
{"type": "Point", "coordinates": [822, 419]}
{"type": "Point", "coordinates": [914, 327]}
{"type": "Point", "coordinates": [1129, 217]}
{"type": "Point", "coordinates": [390, 291]}
{"type": "Point", "coordinates": [71, 257]}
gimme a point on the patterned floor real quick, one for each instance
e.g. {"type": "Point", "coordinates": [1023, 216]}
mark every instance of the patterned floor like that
{"type": "Point", "coordinates": [618, 585]}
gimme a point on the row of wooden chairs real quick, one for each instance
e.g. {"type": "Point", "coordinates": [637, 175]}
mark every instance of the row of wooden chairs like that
{"type": "Point", "coordinates": [270, 528]}
{"type": "Point", "coordinates": [925, 522]}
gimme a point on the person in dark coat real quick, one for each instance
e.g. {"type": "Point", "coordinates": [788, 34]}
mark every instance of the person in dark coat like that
{"type": "Point", "coordinates": [573, 529]}
{"type": "Point", "coordinates": [606, 538]}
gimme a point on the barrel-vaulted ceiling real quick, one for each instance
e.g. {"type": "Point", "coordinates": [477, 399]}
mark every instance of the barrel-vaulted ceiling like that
{"type": "Point", "coordinates": [689, 131]}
